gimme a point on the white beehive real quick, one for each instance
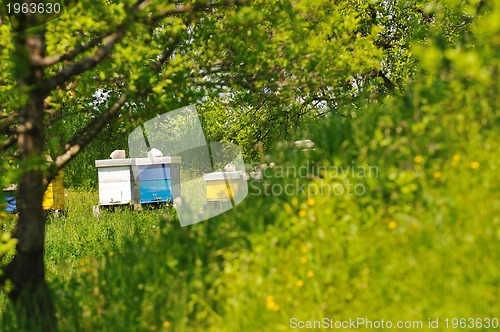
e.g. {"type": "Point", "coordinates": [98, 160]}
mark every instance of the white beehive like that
{"type": "Point", "coordinates": [115, 181]}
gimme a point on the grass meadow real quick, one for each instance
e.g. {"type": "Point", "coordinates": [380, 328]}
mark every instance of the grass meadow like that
{"type": "Point", "coordinates": [420, 242]}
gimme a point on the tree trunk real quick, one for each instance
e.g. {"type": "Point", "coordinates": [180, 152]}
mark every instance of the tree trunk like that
{"type": "Point", "coordinates": [30, 295]}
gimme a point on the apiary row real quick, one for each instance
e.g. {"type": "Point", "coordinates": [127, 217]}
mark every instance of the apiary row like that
{"type": "Point", "coordinates": [53, 198]}
{"type": "Point", "coordinates": [157, 180]}
{"type": "Point", "coordinates": [138, 180]}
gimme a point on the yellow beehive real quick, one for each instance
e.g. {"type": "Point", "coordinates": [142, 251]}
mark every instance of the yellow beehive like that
{"type": "Point", "coordinates": [218, 190]}
{"type": "Point", "coordinates": [222, 186]}
{"type": "Point", "coordinates": [53, 198]}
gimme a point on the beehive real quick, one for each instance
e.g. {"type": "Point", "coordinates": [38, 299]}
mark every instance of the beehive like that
{"type": "Point", "coordinates": [10, 200]}
{"type": "Point", "coordinates": [156, 180]}
{"type": "Point", "coordinates": [53, 198]}
{"type": "Point", "coordinates": [222, 186]}
{"type": "Point", "coordinates": [115, 181]}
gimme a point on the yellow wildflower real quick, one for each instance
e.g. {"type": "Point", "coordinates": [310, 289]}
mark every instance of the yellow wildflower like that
{"type": "Point", "coordinates": [474, 165]}
{"type": "Point", "coordinates": [456, 157]}
{"type": "Point", "coordinates": [310, 201]}
{"type": "Point", "coordinates": [303, 260]}
{"type": "Point", "coordinates": [310, 274]}
{"type": "Point", "coordinates": [437, 175]}
{"type": "Point", "coordinates": [418, 159]}
{"type": "Point", "coordinates": [274, 307]}
{"type": "Point", "coordinates": [166, 324]}
{"type": "Point", "coordinates": [302, 213]}
{"type": "Point", "coordinates": [270, 304]}
{"type": "Point", "coordinates": [393, 224]}
{"type": "Point", "coordinates": [299, 283]}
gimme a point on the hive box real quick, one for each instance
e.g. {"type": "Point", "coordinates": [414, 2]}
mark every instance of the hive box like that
{"type": "Point", "coordinates": [223, 185]}
{"type": "Point", "coordinates": [138, 180]}
{"type": "Point", "coordinates": [53, 198]}
{"type": "Point", "coordinates": [115, 181]}
{"type": "Point", "coordinates": [156, 180]}
{"type": "Point", "coordinates": [10, 201]}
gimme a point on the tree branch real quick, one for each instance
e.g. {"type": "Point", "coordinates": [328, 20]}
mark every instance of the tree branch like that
{"type": "Point", "coordinates": [6, 122]}
{"type": "Point", "coordinates": [5, 145]}
{"type": "Point", "coordinates": [84, 64]}
{"type": "Point", "coordinates": [89, 132]}
{"type": "Point", "coordinates": [387, 82]}
{"type": "Point", "coordinates": [70, 55]}
{"type": "Point", "coordinates": [101, 53]}
{"type": "Point", "coordinates": [60, 115]}
{"type": "Point", "coordinates": [86, 134]}
{"type": "Point", "coordinates": [182, 9]}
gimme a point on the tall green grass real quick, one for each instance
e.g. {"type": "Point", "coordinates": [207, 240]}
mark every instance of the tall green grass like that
{"type": "Point", "coordinates": [422, 242]}
{"type": "Point", "coordinates": [428, 251]}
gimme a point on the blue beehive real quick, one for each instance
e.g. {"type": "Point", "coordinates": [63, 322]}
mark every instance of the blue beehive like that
{"type": "Point", "coordinates": [10, 200]}
{"type": "Point", "coordinates": [157, 180]}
